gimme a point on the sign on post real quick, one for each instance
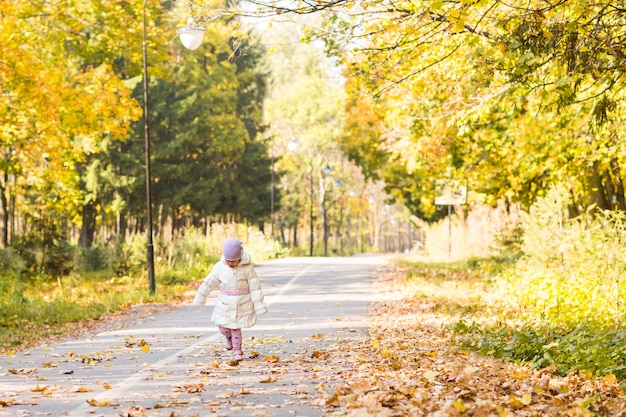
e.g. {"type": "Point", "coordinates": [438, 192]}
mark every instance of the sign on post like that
{"type": "Point", "coordinates": [453, 194]}
{"type": "Point", "coordinates": [450, 200]}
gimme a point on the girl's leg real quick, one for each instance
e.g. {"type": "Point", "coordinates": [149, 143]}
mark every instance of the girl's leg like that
{"type": "Point", "coordinates": [228, 333]}
{"type": "Point", "coordinates": [236, 338]}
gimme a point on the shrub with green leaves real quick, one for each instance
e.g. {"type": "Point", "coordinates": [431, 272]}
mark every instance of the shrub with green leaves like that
{"type": "Point", "coordinates": [95, 258]}
{"type": "Point", "coordinates": [571, 270]}
{"type": "Point", "coordinates": [566, 294]}
{"type": "Point", "coordinates": [600, 351]}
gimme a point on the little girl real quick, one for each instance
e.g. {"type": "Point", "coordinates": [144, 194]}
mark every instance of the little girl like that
{"type": "Point", "coordinates": [240, 299]}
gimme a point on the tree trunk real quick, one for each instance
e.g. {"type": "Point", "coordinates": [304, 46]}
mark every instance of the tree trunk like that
{"type": "Point", "coordinates": [4, 212]}
{"type": "Point", "coordinates": [88, 228]}
{"type": "Point", "coordinates": [619, 186]}
{"type": "Point", "coordinates": [122, 226]}
{"type": "Point", "coordinates": [598, 194]}
{"type": "Point", "coordinates": [294, 243]}
{"type": "Point", "coordinates": [12, 223]}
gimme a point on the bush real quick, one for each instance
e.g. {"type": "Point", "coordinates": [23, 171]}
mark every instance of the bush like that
{"type": "Point", "coordinates": [95, 258]}
{"type": "Point", "coordinates": [51, 255]}
{"type": "Point", "coordinates": [192, 250]}
{"type": "Point", "coordinates": [12, 299]}
{"type": "Point", "coordinates": [571, 269]}
{"type": "Point", "coordinates": [565, 293]}
{"type": "Point", "coordinates": [10, 260]}
{"type": "Point", "coordinates": [600, 351]}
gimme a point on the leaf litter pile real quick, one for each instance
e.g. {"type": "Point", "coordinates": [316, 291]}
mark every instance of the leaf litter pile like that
{"type": "Point", "coordinates": [410, 366]}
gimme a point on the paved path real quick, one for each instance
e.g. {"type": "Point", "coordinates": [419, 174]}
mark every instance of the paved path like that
{"type": "Point", "coordinates": [174, 364]}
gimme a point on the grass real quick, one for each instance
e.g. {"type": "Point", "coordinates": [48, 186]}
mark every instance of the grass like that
{"type": "Point", "coordinates": [481, 319]}
{"type": "Point", "coordinates": [458, 289]}
{"type": "Point", "coordinates": [33, 309]}
{"type": "Point", "coordinates": [467, 294]}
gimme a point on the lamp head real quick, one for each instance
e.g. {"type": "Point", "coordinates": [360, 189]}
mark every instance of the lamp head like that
{"type": "Point", "coordinates": [292, 144]}
{"type": "Point", "coordinates": [191, 35]}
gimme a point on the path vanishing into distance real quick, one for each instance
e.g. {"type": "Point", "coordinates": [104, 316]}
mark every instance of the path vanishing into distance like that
{"type": "Point", "coordinates": [174, 364]}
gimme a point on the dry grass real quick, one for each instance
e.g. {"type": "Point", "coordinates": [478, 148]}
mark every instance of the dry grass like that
{"type": "Point", "coordinates": [474, 234]}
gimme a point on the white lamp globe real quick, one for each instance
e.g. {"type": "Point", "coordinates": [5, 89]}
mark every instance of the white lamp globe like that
{"type": "Point", "coordinates": [191, 36]}
{"type": "Point", "coordinates": [293, 144]}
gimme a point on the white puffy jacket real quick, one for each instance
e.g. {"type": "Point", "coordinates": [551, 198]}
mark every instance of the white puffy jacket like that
{"type": "Point", "coordinates": [240, 299]}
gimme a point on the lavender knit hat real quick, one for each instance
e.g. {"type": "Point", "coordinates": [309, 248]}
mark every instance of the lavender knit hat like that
{"type": "Point", "coordinates": [232, 250]}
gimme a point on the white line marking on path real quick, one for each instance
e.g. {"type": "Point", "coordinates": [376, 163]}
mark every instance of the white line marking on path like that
{"type": "Point", "coordinates": [125, 385]}
{"type": "Point", "coordinates": [287, 286]}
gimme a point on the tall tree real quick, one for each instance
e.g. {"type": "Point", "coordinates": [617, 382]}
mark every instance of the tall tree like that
{"type": "Point", "coordinates": [305, 104]}
{"type": "Point", "coordinates": [205, 116]}
{"type": "Point", "coordinates": [54, 108]}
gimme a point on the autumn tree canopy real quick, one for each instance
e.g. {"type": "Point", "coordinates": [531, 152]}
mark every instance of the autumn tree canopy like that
{"type": "Point", "coordinates": [506, 97]}
{"type": "Point", "coordinates": [72, 131]}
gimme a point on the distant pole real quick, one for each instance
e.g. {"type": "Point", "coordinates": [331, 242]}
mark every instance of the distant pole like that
{"type": "Point", "coordinates": [311, 212]}
{"type": "Point", "coordinates": [272, 185]}
{"type": "Point", "coordinates": [450, 225]}
{"type": "Point", "coordinates": [449, 231]}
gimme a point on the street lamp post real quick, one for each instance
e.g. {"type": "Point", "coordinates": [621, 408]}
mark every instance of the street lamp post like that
{"type": "Point", "coordinates": [327, 171]}
{"type": "Point", "coordinates": [191, 37]}
{"type": "Point", "coordinates": [146, 130]}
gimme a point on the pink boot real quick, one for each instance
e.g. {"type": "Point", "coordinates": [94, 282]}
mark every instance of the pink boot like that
{"type": "Point", "coordinates": [228, 344]}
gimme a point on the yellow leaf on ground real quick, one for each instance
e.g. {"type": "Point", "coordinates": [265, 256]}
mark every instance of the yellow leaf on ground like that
{"type": "Point", "coordinates": [610, 378]}
{"type": "Point", "coordinates": [95, 403]}
{"type": "Point", "coordinates": [320, 388]}
{"type": "Point", "coordinates": [317, 354]}
{"type": "Point", "coordinates": [470, 370]}
{"type": "Point", "coordinates": [431, 375]}
{"type": "Point", "coordinates": [459, 406]}
{"type": "Point", "coordinates": [515, 402]}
